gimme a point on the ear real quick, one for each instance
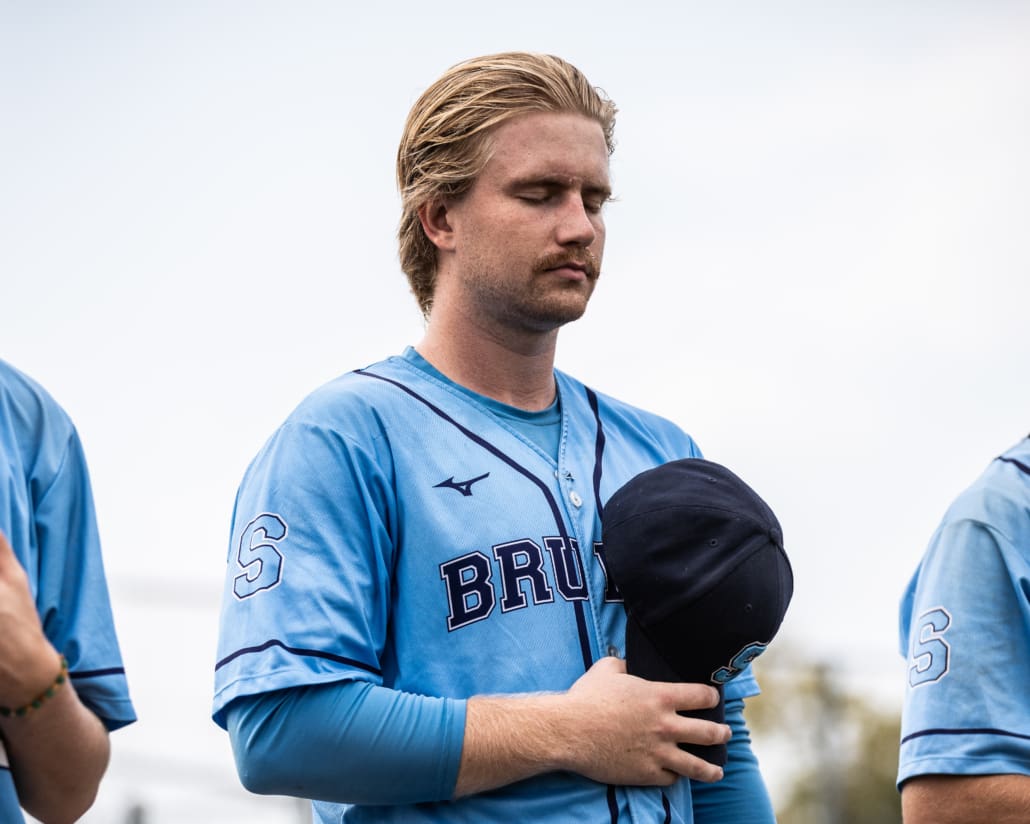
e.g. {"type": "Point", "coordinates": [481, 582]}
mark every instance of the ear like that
{"type": "Point", "coordinates": [435, 219]}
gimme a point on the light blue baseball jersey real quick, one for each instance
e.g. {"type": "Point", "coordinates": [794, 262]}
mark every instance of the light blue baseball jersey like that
{"type": "Point", "coordinates": [395, 530]}
{"type": "Point", "coordinates": [46, 513]}
{"type": "Point", "coordinates": [965, 629]}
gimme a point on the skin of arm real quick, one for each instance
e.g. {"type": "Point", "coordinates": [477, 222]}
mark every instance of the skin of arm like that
{"type": "Point", "coordinates": [610, 726]}
{"type": "Point", "coordinates": [59, 752]}
{"type": "Point", "coordinates": [966, 799]}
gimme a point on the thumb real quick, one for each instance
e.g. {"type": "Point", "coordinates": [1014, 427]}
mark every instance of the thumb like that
{"type": "Point", "coordinates": [609, 664]}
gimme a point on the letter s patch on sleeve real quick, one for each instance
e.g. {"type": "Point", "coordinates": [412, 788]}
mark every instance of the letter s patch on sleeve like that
{"type": "Point", "coordinates": [931, 654]}
{"type": "Point", "coordinates": [258, 556]}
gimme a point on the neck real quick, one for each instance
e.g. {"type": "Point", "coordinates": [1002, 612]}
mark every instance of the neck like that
{"type": "Point", "coordinates": [516, 369]}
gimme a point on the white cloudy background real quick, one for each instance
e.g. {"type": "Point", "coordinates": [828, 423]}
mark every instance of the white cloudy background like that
{"type": "Point", "coordinates": [818, 265]}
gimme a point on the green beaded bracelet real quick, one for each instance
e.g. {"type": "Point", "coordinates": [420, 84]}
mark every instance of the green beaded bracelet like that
{"type": "Point", "coordinates": [42, 698]}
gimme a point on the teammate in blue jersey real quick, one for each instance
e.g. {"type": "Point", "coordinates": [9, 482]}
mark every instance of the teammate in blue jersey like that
{"type": "Point", "coordinates": [965, 628]}
{"type": "Point", "coordinates": [417, 625]}
{"type": "Point", "coordinates": [62, 686]}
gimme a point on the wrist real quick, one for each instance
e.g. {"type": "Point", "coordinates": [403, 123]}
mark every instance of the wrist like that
{"type": "Point", "coordinates": [26, 680]}
{"type": "Point", "coordinates": [561, 714]}
{"type": "Point", "coordinates": [510, 738]}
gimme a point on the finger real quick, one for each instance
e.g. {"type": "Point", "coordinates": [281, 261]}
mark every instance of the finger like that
{"type": "Point", "coordinates": [702, 733]}
{"type": "Point", "coordinates": [705, 772]}
{"type": "Point", "coordinates": [668, 778]}
{"type": "Point", "coordinates": [696, 697]}
{"type": "Point", "coordinates": [694, 768]}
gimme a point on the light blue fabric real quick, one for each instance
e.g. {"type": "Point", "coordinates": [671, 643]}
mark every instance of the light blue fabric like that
{"type": "Point", "coordinates": [965, 630]}
{"type": "Point", "coordinates": [543, 428]}
{"type": "Point", "coordinates": [348, 742]}
{"type": "Point", "coordinates": [741, 797]}
{"type": "Point", "coordinates": [46, 513]}
{"type": "Point", "coordinates": [396, 530]}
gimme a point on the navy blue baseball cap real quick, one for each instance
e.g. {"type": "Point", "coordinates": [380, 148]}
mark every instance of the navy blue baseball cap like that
{"type": "Point", "coordinates": [698, 558]}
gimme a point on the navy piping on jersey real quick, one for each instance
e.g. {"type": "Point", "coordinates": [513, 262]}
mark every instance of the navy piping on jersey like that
{"type": "Point", "coordinates": [314, 653]}
{"type": "Point", "coordinates": [1019, 464]}
{"type": "Point", "coordinates": [613, 804]}
{"type": "Point", "coordinates": [973, 731]}
{"type": "Point", "coordinates": [78, 676]}
{"type": "Point", "coordinates": [584, 639]}
{"type": "Point", "coordinates": [668, 809]}
{"type": "Point", "coordinates": [613, 807]}
{"type": "Point", "coordinates": [598, 450]}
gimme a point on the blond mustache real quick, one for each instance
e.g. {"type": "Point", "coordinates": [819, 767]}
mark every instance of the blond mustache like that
{"type": "Point", "coordinates": [585, 259]}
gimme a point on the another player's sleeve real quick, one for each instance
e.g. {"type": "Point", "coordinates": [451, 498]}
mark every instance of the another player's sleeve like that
{"type": "Point", "coordinates": [309, 566]}
{"type": "Point", "coordinates": [72, 595]}
{"type": "Point", "coordinates": [741, 797]}
{"type": "Point", "coordinates": [964, 631]}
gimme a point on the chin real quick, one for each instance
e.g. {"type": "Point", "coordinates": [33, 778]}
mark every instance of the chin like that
{"type": "Point", "coordinates": [553, 317]}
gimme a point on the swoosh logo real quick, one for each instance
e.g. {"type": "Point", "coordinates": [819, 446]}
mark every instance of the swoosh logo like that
{"type": "Point", "coordinates": [464, 487]}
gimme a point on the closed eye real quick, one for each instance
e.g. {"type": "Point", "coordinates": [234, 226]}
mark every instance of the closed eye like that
{"type": "Point", "coordinates": [536, 196]}
{"type": "Point", "coordinates": [547, 192]}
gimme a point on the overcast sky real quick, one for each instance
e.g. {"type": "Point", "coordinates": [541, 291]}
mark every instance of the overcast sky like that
{"type": "Point", "coordinates": [817, 265]}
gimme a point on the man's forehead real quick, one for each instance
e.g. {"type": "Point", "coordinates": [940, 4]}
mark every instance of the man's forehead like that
{"type": "Point", "coordinates": [557, 147]}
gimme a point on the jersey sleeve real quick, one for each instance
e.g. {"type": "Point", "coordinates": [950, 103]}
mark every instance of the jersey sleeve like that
{"type": "Point", "coordinates": [964, 631]}
{"type": "Point", "coordinates": [308, 576]}
{"type": "Point", "coordinates": [72, 595]}
{"type": "Point", "coordinates": [347, 742]}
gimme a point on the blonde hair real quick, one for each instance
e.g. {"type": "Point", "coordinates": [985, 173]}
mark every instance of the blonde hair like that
{"type": "Point", "coordinates": [446, 140]}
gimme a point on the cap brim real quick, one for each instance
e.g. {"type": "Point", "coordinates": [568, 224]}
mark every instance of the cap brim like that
{"type": "Point", "coordinates": [644, 661]}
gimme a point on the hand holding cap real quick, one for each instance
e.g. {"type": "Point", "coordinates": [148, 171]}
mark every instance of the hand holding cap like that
{"type": "Point", "coordinates": [698, 558]}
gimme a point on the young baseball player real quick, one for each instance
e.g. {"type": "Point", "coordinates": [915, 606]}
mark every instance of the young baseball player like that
{"type": "Point", "coordinates": [62, 686]}
{"type": "Point", "coordinates": [965, 628]}
{"type": "Point", "coordinates": [417, 621]}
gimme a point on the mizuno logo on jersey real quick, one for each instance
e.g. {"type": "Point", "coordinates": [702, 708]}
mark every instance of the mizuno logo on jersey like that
{"type": "Point", "coordinates": [464, 487]}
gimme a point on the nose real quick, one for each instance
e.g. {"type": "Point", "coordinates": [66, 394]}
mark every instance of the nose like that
{"type": "Point", "coordinates": [577, 226]}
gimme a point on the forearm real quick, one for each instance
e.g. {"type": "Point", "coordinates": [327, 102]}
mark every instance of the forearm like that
{"type": "Point", "coordinates": [508, 739]}
{"type": "Point", "coordinates": [966, 799]}
{"type": "Point", "coordinates": [347, 742]}
{"type": "Point", "coordinates": [58, 753]}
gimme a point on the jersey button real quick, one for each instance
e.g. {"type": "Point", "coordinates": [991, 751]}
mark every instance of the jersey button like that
{"type": "Point", "coordinates": [576, 500]}
{"type": "Point", "coordinates": [613, 650]}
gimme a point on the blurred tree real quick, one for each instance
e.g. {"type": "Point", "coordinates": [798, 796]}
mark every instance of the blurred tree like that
{"type": "Point", "coordinates": [840, 752]}
{"type": "Point", "coordinates": [136, 814]}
